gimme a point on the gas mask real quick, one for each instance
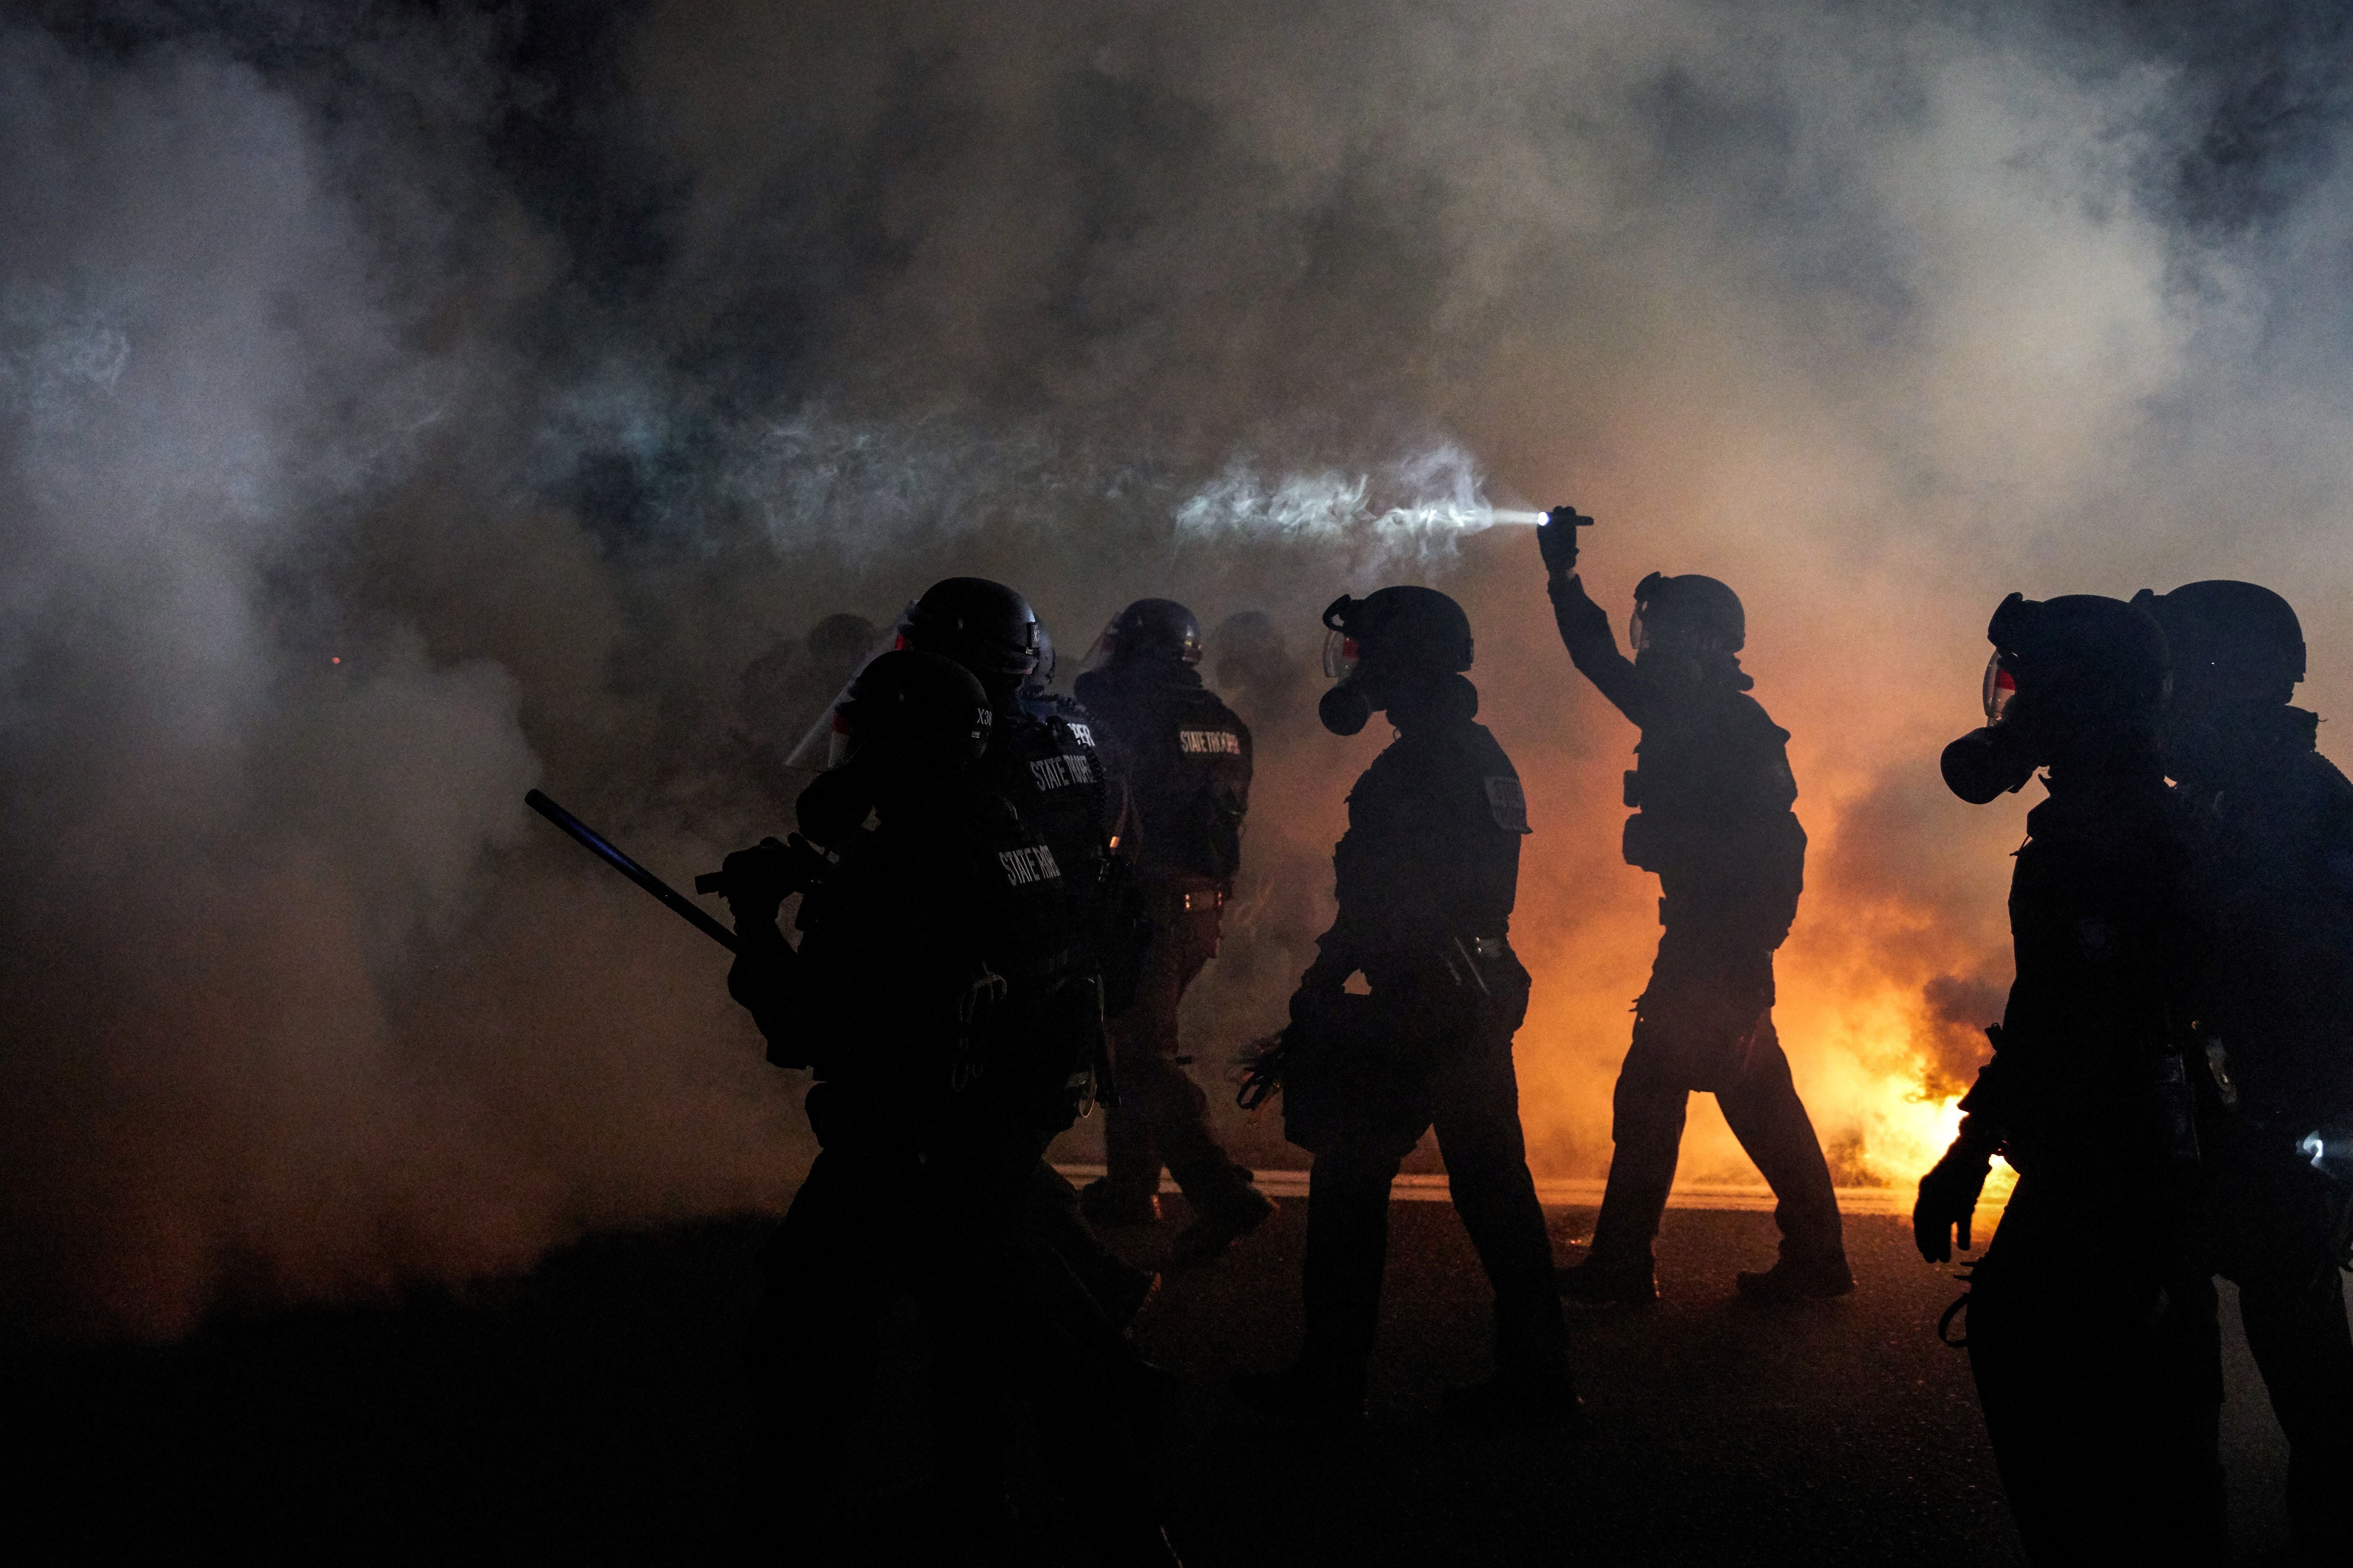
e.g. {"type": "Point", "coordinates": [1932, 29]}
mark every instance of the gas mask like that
{"type": "Point", "coordinates": [1999, 758]}
{"type": "Point", "coordinates": [1344, 709]}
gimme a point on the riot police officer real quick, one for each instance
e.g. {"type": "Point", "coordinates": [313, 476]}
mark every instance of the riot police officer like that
{"type": "Point", "coordinates": [936, 994]}
{"type": "Point", "coordinates": [1712, 794]}
{"type": "Point", "coordinates": [1182, 760]}
{"type": "Point", "coordinates": [2271, 839]}
{"type": "Point", "coordinates": [2099, 1394]}
{"type": "Point", "coordinates": [1426, 875]}
{"type": "Point", "coordinates": [1042, 758]}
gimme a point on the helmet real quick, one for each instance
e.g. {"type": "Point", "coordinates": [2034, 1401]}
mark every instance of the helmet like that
{"type": "Point", "coordinates": [1042, 675]}
{"type": "Point", "coordinates": [842, 639]}
{"type": "Point", "coordinates": [1153, 629]}
{"type": "Point", "coordinates": [2230, 639]}
{"type": "Point", "coordinates": [1692, 613]}
{"type": "Point", "coordinates": [1414, 629]}
{"type": "Point", "coordinates": [2082, 662]}
{"type": "Point", "coordinates": [983, 626]}
{"type": "Point", "coordinates": [927, 709]}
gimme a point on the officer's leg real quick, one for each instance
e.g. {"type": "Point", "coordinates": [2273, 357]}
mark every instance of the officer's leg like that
{"type": "Point", "coordinates": [1766, 1115]}
{"type": "Point", "coordinates": [2080, 1390]}
{"type": "Point", "coordinates": [1119, 1288]}
{"type": "Point", "coordinates": [1162, 1094]}
{"type": "Point", "coordinates": [2181, 1409]}
{"type": "Point", "coordinates": [2295, 1316]}
{"type": "Point", "coordinates": [1478, 1133]}
{"type": "Point", "coordinates": [1143, 1039]}
{"type": "Point", "coordinates": [1216, 1188]}
{"type": "Point", "coordinates": [833, 1270]}
{"type": "Point", "coordinates": [1347, 1246]}
{"type": "Point", "coordinates": [1647, 1127]}
{"type": "Point", "coordinates": [1000, 1301]}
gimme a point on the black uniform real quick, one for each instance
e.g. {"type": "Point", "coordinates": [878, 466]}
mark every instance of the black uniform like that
{"type": "Point", "coordinates": [1426, 876]}
{"type": "Point", "coordinates": [1713, 793]}
{"type": "Point", "coordinates": [939, 995]}
{"type": "Point", "coordinates": [2099, 1391]}
{"type": "Point", "coordinates": [2271, 833]}
{"type": "Point", "coordinates": [1182, 760]}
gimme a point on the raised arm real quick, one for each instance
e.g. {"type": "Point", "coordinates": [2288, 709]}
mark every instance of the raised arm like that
{"type": "Point", "coordinates": [1584, 625]}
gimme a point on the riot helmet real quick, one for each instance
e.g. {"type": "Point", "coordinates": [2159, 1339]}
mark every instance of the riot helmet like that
{"type": "Point", "coordinates": [917, 710]}
{"type": "Point", "coordinates": [1693, 615]}
{"type": "Point", "coordinates": [1418, 630]}
{"type": "Point", "coordinates": [983, 626]}
{"type": "Point", "coordinates": [1158, 630]}
{"type": "Point", "coordinates": [842, 641]}
{"type": "Point", "coordinates": [2229, 641]}
{"type": "Point", "coordinates": [1394, 637]}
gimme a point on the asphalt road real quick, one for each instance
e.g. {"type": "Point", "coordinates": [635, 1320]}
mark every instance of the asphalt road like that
{"type": "Point", "coordinates": [588, 1413]}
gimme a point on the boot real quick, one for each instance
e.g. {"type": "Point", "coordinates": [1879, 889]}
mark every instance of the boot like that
{"type": "Point", "coordinates": [1103, 1205]}
{"type": "Point", "coordinates": [1799, 1279]}
{"type": "Point", "coordinates": [1602, 1281]}
{"type": "Point", "coordinates": [1208, 1236]}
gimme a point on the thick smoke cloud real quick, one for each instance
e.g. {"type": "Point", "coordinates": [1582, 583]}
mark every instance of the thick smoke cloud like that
{"type": "Point", "coordinates": [557, 375]}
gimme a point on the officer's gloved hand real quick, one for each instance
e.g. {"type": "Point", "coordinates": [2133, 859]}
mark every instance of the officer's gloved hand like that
{"type": "Point", "coordinates": [1317, 998]}
{"type": "Point", "coordinates": [756, 882]}
{"type": "Point", "coordinates": [1556, 538]}
{"type": "Point", "coordinates": [1948, 1196]}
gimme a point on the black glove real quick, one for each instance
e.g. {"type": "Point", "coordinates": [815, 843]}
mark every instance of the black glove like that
{"type": "Point", "coordinates": [756, 881]}
{"type": "Point", "coordinates": [1556, 538]}
{"type": "Point", "coordinates": [1317, 998]}
{"type": "Point", "coordinates": [1948, 1197]}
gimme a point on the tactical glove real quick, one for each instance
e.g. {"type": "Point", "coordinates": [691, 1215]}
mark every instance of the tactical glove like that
{"type": "Point", "coordinates": [756, 881]}
{"type": "Point", "coordinates": [1948, 1196]}
{"type": "Point", "coordinates": [1556, 538]}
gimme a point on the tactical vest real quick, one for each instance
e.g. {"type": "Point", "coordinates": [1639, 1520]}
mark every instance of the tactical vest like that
{"type": "Point", "coordinates": [2090, 1063]}
{"type": "Point", "coordinates": [1183, 758]}
{"type": "Point", "coordinates": [1432, 850]}
{"type": "Point", "coordinates": [948, 953]}
{"type": "Point", "coordinates": [1711, 791]}
{"type": "Point", "coordinates": [1049, 772]}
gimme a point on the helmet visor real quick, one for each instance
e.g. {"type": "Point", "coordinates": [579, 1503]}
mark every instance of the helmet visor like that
{"type": "Point", "coordinates": [2001, 688]}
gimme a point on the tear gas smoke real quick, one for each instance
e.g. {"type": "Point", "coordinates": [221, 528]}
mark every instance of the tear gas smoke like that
{"type": "Point", "coordinates": [556, 370]}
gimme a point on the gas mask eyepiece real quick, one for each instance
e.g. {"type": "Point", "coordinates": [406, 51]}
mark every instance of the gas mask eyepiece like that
{"type": "Point", "coordinates": [1344, 710]}
{"type": "Point", "coordinates": [2000, 688]}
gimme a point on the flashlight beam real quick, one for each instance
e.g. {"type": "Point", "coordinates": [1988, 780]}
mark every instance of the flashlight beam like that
{"type": "Point", "coordinates": [1450, 514]}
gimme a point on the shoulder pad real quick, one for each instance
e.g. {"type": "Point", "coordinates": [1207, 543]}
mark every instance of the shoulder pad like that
{"type": "Point", "coordinates": [1072, 723]}
{"type": "Point", "coordinates": [1507, 802]}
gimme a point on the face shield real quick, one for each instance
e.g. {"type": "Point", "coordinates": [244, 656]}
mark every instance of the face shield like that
{"type": "Point", "coordinates": [2001, 688]}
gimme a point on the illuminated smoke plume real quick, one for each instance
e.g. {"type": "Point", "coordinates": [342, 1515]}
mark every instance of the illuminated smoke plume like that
{"type": "Point", "coordinates": [1416, 514]}
{"type": "Point", "coordinates": [553, 367]}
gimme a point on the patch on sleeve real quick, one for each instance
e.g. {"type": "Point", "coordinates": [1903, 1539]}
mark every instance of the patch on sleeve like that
{"type": "Point", "coordinates": [1508, 804]}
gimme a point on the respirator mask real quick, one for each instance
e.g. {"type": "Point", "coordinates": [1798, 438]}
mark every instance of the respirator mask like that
{"type": "Point", "coordinates": [1344, 710]}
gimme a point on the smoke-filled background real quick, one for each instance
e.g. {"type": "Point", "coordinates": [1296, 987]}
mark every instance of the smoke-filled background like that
{"type": "Point", "coordinates": [404, 405]}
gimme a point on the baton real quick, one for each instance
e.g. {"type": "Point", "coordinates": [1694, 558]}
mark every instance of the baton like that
{"type": "Point", "coordinates": [594, 842]}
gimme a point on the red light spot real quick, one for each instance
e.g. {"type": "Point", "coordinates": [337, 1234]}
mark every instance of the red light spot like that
{"type": "Point", "coordinates": [338, 658]}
